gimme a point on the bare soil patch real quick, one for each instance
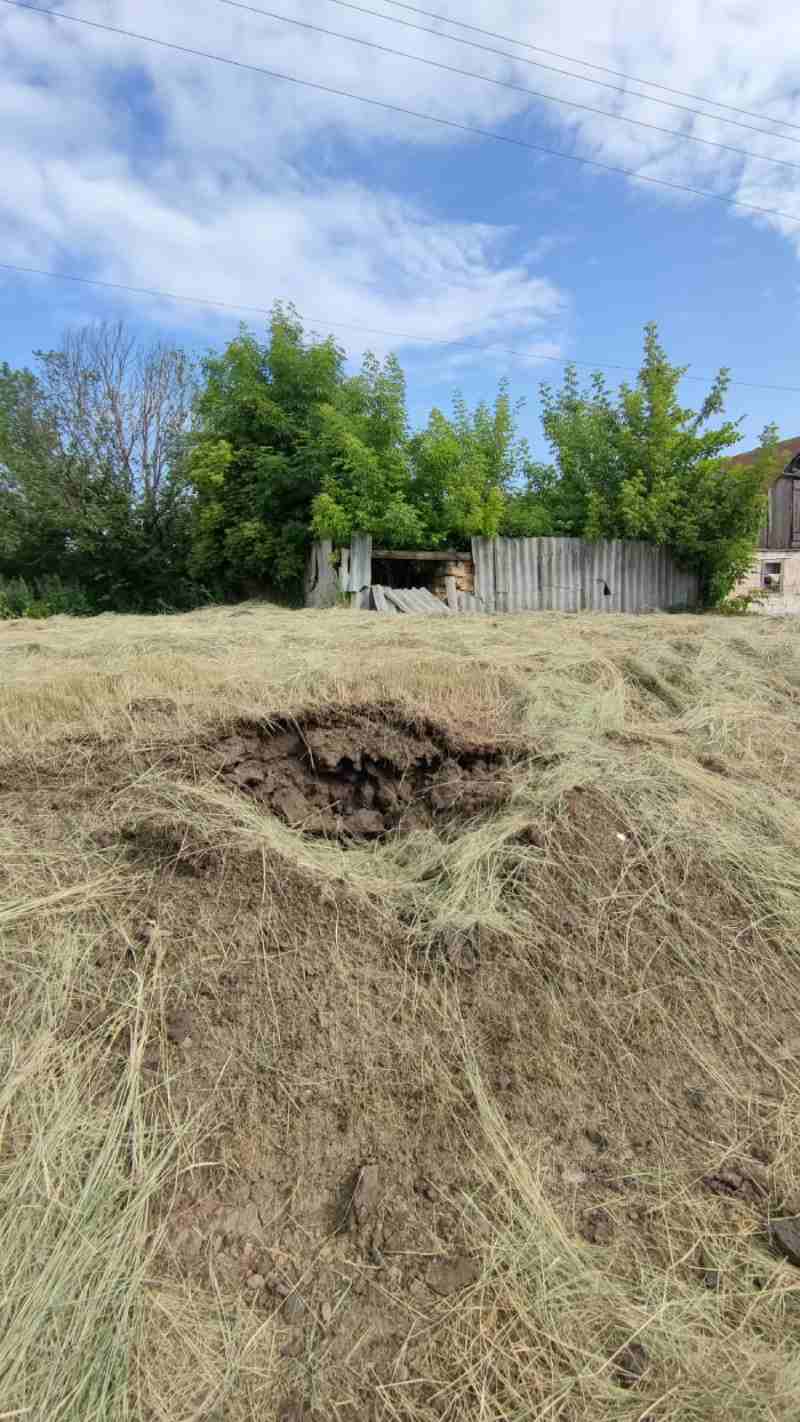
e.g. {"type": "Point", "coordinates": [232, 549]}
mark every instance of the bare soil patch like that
{"type": "Point", "coordinates": [484, 1107]}
{"type": "Point", "coordinates": [362, 771]}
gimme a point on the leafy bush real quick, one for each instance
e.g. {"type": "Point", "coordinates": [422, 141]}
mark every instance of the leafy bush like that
{"type": "Point", "coordinates": [741, 604]}
{"type": "Point", "coordinates": [42, 597]}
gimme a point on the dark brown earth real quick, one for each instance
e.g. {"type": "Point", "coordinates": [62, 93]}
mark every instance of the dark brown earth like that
{"type": "Point", "coordinates": [362, 772]}
{"type": "Point", "coordinates": [342, 1156]}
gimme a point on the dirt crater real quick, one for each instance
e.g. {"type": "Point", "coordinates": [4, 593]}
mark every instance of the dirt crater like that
{"type": "Point", "coordinates": [363, 771]}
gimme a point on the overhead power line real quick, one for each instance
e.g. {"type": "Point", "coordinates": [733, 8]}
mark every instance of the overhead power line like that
{"type": "Point", "coordinates": [405, 336]}
{"type": "Point", "coordinates": [590, 64]}
{"type": "Point", "coordinates": [507, 84]}
{"type": "Point", "coordinates": [409, 113]}
{"type": "Point", "coordinates": [567, 73]}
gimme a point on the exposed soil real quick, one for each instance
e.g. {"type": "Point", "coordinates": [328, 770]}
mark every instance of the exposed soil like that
{"type": "Point", "coordinates": [338, 1194]}
{"type": "Point", "coordinates": [360, 772]}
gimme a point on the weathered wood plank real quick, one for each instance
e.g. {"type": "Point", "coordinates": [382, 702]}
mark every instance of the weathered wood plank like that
{"type": "Point", "coordinates": [442, 555]}
{"type": "Point", "coordinates": [452, 593]}
{"type": "Point", "coordinates": [321, 580]}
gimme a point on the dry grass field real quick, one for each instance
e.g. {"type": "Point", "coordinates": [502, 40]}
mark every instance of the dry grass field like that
{"type": "Point", "coordinates": [400, 1019]}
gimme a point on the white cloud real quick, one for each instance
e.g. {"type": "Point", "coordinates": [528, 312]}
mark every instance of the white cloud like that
{"type": "Point", "coordinates": [159, 169]}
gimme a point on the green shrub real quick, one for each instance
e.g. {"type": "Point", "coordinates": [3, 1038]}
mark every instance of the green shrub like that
{"type": "Point", "coordinates": [44, 597]}
{"type": "Point", "coordinates": [741, 604]}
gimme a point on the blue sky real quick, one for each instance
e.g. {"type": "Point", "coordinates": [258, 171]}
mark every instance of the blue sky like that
{"type": "Point", "coordinates": [138, 165]}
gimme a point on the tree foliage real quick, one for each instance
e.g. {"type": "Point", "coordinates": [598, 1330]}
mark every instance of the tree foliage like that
{"type": "Point", "coordinates": [91, 482]}
{"type": "Point", "coordinates": [642, 466]}
{"type": "Point", "coordinates": [464, 467]}
{"type": "Point", "coordinates": [127, 483]}
{"type": "Point", "coordinates": [289, 446]}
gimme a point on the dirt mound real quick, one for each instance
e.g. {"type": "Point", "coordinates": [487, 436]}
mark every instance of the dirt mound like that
{"type": "Point", "coordinates": [362, 772]}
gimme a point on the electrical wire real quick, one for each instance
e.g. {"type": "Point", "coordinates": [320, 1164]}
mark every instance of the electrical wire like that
{"type": "Point", "coordinates": [405, 336]}
{"type": "Point", "coordinates": [567, 73]}
{"type": "Point", "coordinates": [589, 63]}
{"type": "Point", "coordinates": [506, 84]}
{"type": "Point", "coordinates": [408, 113]}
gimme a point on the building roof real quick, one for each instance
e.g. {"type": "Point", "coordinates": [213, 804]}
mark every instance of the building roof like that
{"type": "Point", "coordinates": [789, 447]}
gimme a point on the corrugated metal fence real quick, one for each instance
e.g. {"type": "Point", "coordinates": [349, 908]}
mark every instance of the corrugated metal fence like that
{"type": "Point", "coordinates": [527, 574]}
{"type": "Point", "coordinates": [570, 575]}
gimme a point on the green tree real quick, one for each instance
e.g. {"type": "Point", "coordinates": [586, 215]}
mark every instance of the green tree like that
{"type": "Point", "coordinates": [288, 447]}
{"type": "Point", "coordinates": [470, 471]}
{"type": "Point", "coordinates": [359, 451]}
{"type": "Point", "coordinates": [91, 482]}
{"type": "Point", "coordinates": [252, 492]}
{"type": "Point", "coordinates": [32, 537]}
{"type": "Point", "coordinates": [642, 466]}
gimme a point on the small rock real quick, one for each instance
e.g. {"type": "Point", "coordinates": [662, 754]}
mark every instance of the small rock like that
{"type": "Point", "coordinates": [448, 1276]}
{"type": "Point", "coordinates": [631, 1364]}
{"type": "Point", "coordinates": [598, 1227]}
{"type": "Point", "coordinates": [785, 1235]}
{"type": "Point", "coordinates": [293, 1309]}
{"type": "Point", "coordinates": [255, 1282]}
{"type": "Point", "coordinates": [326, 1311]}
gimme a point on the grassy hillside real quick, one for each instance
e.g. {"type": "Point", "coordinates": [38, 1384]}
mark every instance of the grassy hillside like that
{"type": "Point", "coordinates": [400, 1020]}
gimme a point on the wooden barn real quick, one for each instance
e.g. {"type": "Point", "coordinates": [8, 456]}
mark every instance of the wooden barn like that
{"type": "Point", "coordinates": [777, 568]}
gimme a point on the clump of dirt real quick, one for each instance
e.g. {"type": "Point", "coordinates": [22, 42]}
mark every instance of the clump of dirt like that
{"type": "Point", "coordinates": [361, 772]}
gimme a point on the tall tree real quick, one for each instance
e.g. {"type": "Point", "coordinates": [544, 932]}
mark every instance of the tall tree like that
{"type": "Point", "coordinates": [91, 450]}
{"type": "Point", "coordinates": [468, 469]}
{"type": "Point", "coordinates": [642, 466]}
{"type": "Point", "coordinates": [288, 445]}
{"type": "Point", "coordinates": [359, 447]}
